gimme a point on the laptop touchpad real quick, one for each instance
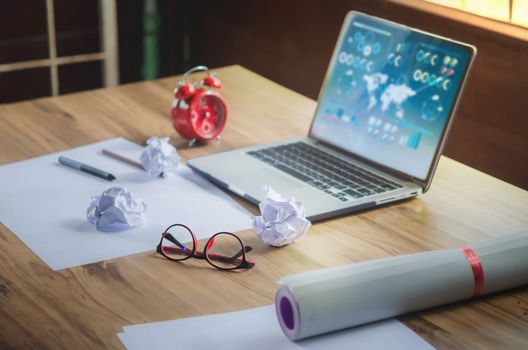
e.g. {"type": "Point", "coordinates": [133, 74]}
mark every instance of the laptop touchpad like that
{"type": "Point", "coordinates": [253, 181]}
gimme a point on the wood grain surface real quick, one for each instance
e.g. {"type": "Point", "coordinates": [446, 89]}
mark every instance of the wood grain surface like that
{"type": "Point", "coordinates": [84, 307]}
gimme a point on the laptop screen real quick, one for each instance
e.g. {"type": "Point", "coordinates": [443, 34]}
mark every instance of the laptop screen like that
{"type": "Point", "coordinates": [389, 93]}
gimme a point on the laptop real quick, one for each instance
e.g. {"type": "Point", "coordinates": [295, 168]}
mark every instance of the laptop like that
{"type": "Point", "coordinates": [383, 116]}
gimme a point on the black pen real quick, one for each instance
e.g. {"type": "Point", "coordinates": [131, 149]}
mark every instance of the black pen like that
{"type": "Point", "coordinates": [86, 168]}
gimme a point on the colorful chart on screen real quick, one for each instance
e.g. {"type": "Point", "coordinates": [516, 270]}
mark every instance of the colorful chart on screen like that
{"type": "Point", "coordinates": [389, 93]}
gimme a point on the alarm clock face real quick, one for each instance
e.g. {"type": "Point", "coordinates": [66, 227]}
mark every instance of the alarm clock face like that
{"type": "Point", "coordinates": [208, 114]}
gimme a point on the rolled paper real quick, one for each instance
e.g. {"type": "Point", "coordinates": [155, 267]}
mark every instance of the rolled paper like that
{"type": "Point", "coordinates": [326, 300]}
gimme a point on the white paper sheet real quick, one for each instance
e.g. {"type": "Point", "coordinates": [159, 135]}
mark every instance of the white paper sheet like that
{"type": "Point", "coordinates": [258, 329]}
{"type": "Point", "coordinates": [44, 204]}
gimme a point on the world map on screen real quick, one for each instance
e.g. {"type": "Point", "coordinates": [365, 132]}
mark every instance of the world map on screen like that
{"type": "Point", "coordinates": [389, 92]}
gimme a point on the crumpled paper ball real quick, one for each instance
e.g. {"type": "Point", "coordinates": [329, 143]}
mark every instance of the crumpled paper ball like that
{"type": "Point", "coordinates": [159, 157]}
{"type": "Point", "coordinates": [115, 210]}
{"type": "Point", "coordinates": [282, 220]}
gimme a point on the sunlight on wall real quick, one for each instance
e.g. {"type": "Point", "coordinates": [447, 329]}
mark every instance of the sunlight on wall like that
{"type": "Point", "coordinates": [513, 11]}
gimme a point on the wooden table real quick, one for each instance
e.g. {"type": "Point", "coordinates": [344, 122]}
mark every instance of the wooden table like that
{"type": "Point", "coordinates": [85, 306]}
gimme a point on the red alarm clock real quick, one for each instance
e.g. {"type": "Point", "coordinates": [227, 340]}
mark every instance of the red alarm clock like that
{"type": "Point", "coordinates": [199, 112]}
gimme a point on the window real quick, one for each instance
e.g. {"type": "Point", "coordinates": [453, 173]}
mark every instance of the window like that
{"type": "Point", "coordinates": [51, 47]}
{"type": "Point", "coordinates": [512, 11]}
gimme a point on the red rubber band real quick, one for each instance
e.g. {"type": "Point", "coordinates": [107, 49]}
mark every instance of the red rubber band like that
{"type": "Point", "coordinates": [476, 266]}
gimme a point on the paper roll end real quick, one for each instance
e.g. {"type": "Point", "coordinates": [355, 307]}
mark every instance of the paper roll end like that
{"type": "Point", "coordinates": [287, 313]}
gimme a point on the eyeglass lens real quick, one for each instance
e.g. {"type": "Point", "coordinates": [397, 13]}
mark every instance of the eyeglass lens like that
{"type": "Point", "coordinates": [177, 242]}
{"type": "Point", "coordinates": [225, 251]}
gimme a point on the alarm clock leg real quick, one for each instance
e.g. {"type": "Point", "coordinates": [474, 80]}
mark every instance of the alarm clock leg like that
{"type": "Point", "coordinates": [192, 142]}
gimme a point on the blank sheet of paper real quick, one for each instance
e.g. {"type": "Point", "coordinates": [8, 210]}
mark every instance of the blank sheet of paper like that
{"type": "Point", "coordinates": [258, 329]}
{"type": "Point", "coordinates": [44, 204]}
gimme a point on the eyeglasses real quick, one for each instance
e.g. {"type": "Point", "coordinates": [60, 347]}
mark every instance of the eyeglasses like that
{"type": "Point", "coordinates": [224, 250]}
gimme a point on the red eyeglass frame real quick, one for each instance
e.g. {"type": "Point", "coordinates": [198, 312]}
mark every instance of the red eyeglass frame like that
{"type": "Point", "coordinates": [243, 262]}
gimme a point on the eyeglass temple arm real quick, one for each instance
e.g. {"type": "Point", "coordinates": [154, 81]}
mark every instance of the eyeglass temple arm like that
{"type": "Point", "coordinates": [247, 248]}
{"type": "Point", "coordinates": [171, 238]}
{"type": "Point", "coordinates": [231, 258]}
{"type": "Point", "coordinates": [174, 240]}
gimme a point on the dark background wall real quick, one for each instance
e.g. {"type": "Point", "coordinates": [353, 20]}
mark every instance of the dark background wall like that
{"type": "Point", "coordinates": [289, 42]}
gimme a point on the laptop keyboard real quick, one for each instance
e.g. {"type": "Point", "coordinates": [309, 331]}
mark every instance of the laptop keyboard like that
{"type": "Point", "coordinates": [332, 175]}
